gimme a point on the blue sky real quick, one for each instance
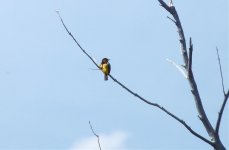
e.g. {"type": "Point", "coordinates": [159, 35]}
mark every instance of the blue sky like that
{"type": "Point", "coordinates": [48, 92]}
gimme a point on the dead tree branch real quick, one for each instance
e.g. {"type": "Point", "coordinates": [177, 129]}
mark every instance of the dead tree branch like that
{"type": "Point", "coordinates": [190, 56]}
{"type": "Point", "coordinates": [221, 72]}
{"type": "Point", "coordinates": [221, 112]}
{"type": "Point", "coordinates": [179, 68]}
{"type": "Point", "coordinates": [97, 136]}
{"type": "Point", "coordinates": [138, 96]}
{"type": "Point", "coordinates": [226, 95]}
{"type": "Point", "coordinates": [171, 19]}
{"type": "Point", "coordinates": [164, 110]}
{"type": "Point", "coordinates": [76, 40]}
{"type": "Point", "coordinates": [176, 20]}
{"type": "Point", "coordinates": [188, 64]}
{"type": "Point", "coordinates": [194, 89]}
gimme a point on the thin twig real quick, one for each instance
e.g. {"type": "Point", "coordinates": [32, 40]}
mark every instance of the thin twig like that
{"type": "Point", "coordinates": [171, 19]}
{"type": "Point", "coordinates": [97, 136]}
{"type": "Point", "coordinates": [138, 96]}
{"type": "Point", "coordinates": [221, 72]}
{"type": "Point", "coordinates": [76, 40]}
{"type": "Point", "coordinates": [178, 67]}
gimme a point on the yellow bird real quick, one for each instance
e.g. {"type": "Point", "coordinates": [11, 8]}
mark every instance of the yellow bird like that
{"type": "Point", "coordinates": [105, 68]}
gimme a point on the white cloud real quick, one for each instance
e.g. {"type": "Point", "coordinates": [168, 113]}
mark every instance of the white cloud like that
{"type": "Point", "coordinates": [113, 141]}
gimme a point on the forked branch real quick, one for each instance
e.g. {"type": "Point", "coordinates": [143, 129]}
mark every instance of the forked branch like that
{"type": "Point", "coordinates": [188, 66]}
{"type": "Point", "coordinates": [226, 95]}
{"type": "Point", "coordinates": [96, 135]}
{"type": "Point", "coordinates": [171, 9]}
{"type": "Point", "coordinates": [136, 95]}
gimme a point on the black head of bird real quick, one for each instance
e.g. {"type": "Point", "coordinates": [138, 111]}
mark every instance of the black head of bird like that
{"type": "Point", "coordinates": [104, 61]}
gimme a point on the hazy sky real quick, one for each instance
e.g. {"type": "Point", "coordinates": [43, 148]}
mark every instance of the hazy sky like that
{"type": "Point", "coordinates": [49, 90]}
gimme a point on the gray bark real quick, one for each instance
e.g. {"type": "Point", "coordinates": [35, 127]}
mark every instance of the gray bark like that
{"type": "Point", "coordinates": [187, 59]}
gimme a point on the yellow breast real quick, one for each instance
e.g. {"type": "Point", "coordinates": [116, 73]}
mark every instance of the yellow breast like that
{"type": "Point", "coordinates": [104, 68]}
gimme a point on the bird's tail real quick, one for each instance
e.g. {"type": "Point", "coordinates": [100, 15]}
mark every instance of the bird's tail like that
{"type": "Point", "coordinates": [105, 77]}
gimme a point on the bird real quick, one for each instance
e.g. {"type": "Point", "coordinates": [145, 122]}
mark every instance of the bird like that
{"type": "Point", "coordinates": [105, 67]}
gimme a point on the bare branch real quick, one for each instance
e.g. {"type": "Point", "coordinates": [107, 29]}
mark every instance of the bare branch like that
{"type": "Point", "coordinates": [97, 136]}
{"type": "Point", "coordinates": [173, 12]}
{"type": "Point", "coordinates": [190, 56]}
{"type": "Point", "coordinates": [221, 72]}
{"type": "Point", "coordinates": [178, 67]}
{"type": "Point", "coordinates": [138, 96]}
{"type": "Point", "coordinates": [164, 110]}
{"type": "Point", "coordinates": [221, 112]}
{"type": "Point", "coordinates": [188, 64]}
{"type": "Point", "coordinates": [171, 19]}
{"type": "Point", "coordinates": [226, 95]}
{"type": "Point", "coordinates": [189, 128]}
{"type": "Point", "coordinates": [76, 40]}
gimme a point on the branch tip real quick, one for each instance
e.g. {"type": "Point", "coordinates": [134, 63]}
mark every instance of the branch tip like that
{"type": "Point", "coordinates": [178, 67]}
{"type": "Point", "coordinates": [97, 136]}
{"type": "Point", "coordinates": [171, 19]}
{"type": "Point", "coordinates": [221, 72]}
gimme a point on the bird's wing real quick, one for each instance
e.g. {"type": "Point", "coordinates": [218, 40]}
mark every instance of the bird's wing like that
{"type": "Point", "coordinates": [109, 68]}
